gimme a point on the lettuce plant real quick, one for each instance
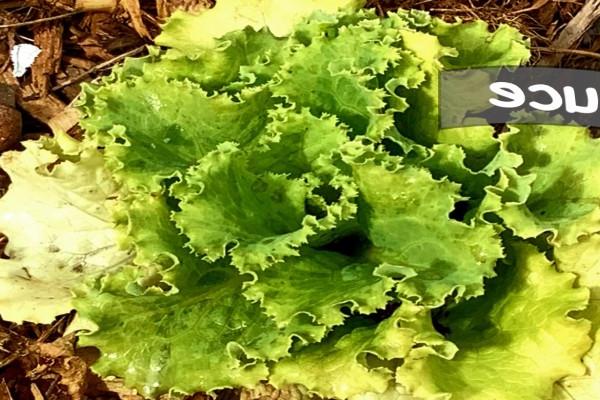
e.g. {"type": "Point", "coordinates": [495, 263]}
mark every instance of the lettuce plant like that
{"type": "Point", "coordinates": [276, 202]}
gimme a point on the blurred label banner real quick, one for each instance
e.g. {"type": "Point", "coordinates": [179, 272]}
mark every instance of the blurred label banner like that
{"type": "Point", "coordinates": [525, 95]}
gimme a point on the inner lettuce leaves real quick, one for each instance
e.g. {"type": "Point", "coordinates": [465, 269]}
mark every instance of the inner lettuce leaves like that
{"type": "Point", "coordinates": [262, 214]}
{"type": "Point", "coordinates": [268, 198]}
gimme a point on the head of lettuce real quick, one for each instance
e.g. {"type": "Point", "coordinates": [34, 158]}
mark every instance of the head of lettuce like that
{"type": "Point", "coordinates": [268, 197]}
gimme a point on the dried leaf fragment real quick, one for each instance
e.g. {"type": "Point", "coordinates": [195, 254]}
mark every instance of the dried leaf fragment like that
{"type": "Point", "coordinates": [135, 13]}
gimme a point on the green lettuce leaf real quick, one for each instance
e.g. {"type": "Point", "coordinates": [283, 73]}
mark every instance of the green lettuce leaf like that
{"type": "Point", "coordinates": [478, 47]}
{"type": "Point", "coordinates": [223, 203]}
{"type": "Point", "coordinates": [406, 216]}
{"type": "Point", "coordinates": [191, 33]}
{"type": "Point", "coordinates": [240, 59]}
{"type": "Point", "coordinates": [320, 284]}
{"type": "Point", "coordinates": [583, 259]}
{"type": "Point", "coordinates": [340, 82]}
{"type": "Point", "coordinates": [563, 199]}
{"type": "Point", "coordinates": [145, 226]}
{"type": "Point", "coordinates": [442, 46]}
{"type": "Point", "coordinates": [205, 337]}
{"type": "Point", "coordinates": [355, 358]}
{"type": "Point", "coordinates": [296, 143]}
{"type": "Point", "coordinates": [514, 342]}
{"type": "Point", "coordinates": [449, 161]}
{"type": "Point", "coordinates": [153, 129]}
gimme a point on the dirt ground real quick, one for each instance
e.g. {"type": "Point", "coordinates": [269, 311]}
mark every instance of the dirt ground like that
{"type": "Point", "coordinates": [82, 39]}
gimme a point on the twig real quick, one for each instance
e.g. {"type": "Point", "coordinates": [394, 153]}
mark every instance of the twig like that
{"type": "Point", "coordinates": [11, 4]}
{"type": "Point", "coordinates": [52, 387]}
{"type": "Point", "coordinates": [463, 10]}
{"type": "Point", "coordinates": [53, 328]}
{"type": "Point", "coordinates": [4, 391]}
{"type": "Point", "coordinates": [95, 5]}
{"type": "Point", "coordinates": [575, 29]}
{"type": "Point", "coordinates": [379, 9]}
{"type": "Point", "coordinates": [450, 10]}
{"type": "Point", "coordinates": [25, 38]}
{"type": "Point", "coordinates": [535, 6]}
{"type": "Point", "coordinates": [12, 357]}
{"type": "Point", "coordinates": [97, 67]}
{"type": "Point", "coordinates": [35, 391]}
{"type": "Point", "coordinates": [38, 21]}
{"type": "Point", "coordinates": [150, 18]}
{"type": "Point", "coordinates": [578, 52]}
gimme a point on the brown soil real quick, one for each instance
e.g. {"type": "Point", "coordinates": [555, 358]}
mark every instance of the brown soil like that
{"type": "Point", "coordinates": [82, 39]}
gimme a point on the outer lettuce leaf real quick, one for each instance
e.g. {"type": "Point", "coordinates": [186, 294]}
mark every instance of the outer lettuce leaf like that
{"type": "Point", "coordinates": [446, 46]}
{"type": "Point", "coordinates": [393, 393]}
{"type": "Point", "coordinates": [584, 387]}
{"type": "Point", "coordinates": [320, 284]}
{"type": "Point", "coordinates": [405, 214]}
{"type": "Point", "coordinates": [262, 216]}
{"type": "Point", "coordinates": [326, 24]}
{"type": "Point", "coordinates": [564, 195]}
{"type": "Point", "coordinates": [424, 105]}
{"type": "Point", "coordinates": [191, 33]}
{"type": "Point", "coordinates": [241, 58]}
{"type": "Point", "coordinates": [354, 359]}
{"type": "Point", "coordinates": [154, 128]}
{"type": "Point", "coordinates": [514, 342]}
{"type": "Point", "coordinates": [57, 220]}
{"type": "Point", "coordinates": [583, 258]}
{"type": "Point", "coordinates": [478, 47]}
{"type": "Point", "coordinates": [205, 337]}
